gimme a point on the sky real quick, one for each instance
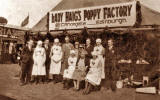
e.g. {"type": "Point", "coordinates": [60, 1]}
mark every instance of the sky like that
{"type": "Point", "coordinates": [15, 11]}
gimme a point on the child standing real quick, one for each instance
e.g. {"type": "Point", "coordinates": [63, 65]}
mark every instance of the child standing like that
{"type": "Point", "coordinates": [93, 77]}
{"type": "Point", "coordinates": [68, 73]}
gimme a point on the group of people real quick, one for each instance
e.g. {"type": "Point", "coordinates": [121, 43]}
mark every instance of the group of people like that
{"type": "Point", "coordinates": [80, 65]}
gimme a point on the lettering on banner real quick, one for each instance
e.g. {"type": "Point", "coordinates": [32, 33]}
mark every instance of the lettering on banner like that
{"type": "Point", "coordinates": [92, 17]}
{"type": "Point", "coordinates": [57, 17]}
{"type": "Point", "coordinates": [121, 11]}
{"type": "Point", "coordinates": [73, 16]}
{"type": "Point", "coordinates": [91, 14]}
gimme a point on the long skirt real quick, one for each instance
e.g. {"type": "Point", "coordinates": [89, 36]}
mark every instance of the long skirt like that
{"type": "Point", "coordinates": [94, 76]}
{"type": "Point", "coordinates": [39, 69]}
{"type": "Point", "coordinates": [55, 68]}
{"type": "Point", "coordinates": [103, 66]}
{"type": "Point", "coordinates": [68, 73]}
{"type": "Point", "coordinates": [79, 74]}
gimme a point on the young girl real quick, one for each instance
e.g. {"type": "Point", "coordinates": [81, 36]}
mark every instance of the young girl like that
{"type": "Point", "coordinates": [80, 71]}
{"type": "Point", "coordinates": [93, 77]}
{"type": "Point", "coordinates": [68, 73]}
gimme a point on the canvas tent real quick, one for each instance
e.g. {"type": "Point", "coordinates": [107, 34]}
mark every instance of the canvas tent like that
{"type": "Point", "coordinates": [149, 16]}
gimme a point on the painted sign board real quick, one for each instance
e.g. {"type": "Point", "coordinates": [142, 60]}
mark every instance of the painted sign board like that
{"type": "Point", "coordinates": [115, 15]}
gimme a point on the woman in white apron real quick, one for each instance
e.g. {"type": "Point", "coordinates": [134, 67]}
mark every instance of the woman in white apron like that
{"type": "Point", "coordinates": [93, 77]}
{"type": "Point", "coordinates": [68, 73]}
{"type": "Point", "coordinates": [99, 49]}
{"type": "Point", "coordinates": [39, 57]}
{"type": "Point", "coordinates": [56, 57]}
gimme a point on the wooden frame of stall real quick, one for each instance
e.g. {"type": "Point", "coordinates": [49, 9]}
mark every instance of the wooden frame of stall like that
{"type": "Point", "coordinates": [9, 34]}
{"type": "Point", "coordinates": [155, 29]}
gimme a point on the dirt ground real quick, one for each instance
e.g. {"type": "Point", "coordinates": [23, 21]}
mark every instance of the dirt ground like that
{"type": "Point", "coordinates": [9, 87]}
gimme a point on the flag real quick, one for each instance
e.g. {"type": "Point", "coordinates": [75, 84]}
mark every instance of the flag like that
{"type": "Point", "coordinates": [25, 21]}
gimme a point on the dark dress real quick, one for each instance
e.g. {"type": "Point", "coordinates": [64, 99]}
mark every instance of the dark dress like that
{"type": "Point", "coordinates": [80, 71]}
{"type": "Point", "coordinates": [26, 64]}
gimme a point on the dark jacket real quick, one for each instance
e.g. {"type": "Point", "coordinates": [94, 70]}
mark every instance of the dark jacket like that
{"type": "Point", "coordinates": [26, 56]}
{"type": "Point", "coordinates": [89, 50]}
{"type": "Point", "coordinates": [111, 65]}
{"type": "Point", "coordinates": [47, 56]}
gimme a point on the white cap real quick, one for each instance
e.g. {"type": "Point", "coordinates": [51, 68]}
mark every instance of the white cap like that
{"type": "Point", "coordinates": [72, 52]}
{"type": "Point", "coordinates": [56, 40]}
{"type": "Point", "coordinates": [39, 42]}
{"type": "Point", "coordinates": [98, 40]}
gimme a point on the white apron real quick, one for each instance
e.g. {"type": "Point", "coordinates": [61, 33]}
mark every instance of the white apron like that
{"type": "Point", "coordinates": [100, 51]}
{"type": "Point", "coordinates": [39, 57]}
{"type": "Point", "coordinates": [55, 68]}
{"type": "Point", "coordinates": [68, 73]}
{"type": "Point", "coordinates": [95, 71]}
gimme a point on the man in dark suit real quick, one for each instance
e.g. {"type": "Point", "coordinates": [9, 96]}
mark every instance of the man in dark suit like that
{"type": "Point", "coordinates": [48, 49]}
{"type": "Point", "coordinates": [89, 49]}
{"type": "Point", "coordinates": [111, 70]}
{"type": "Point", "coordinates": [26, 63]}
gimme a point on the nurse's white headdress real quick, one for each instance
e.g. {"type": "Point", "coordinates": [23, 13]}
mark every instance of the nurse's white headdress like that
{"type": "Point", "coordinates": [98, 40]}
{"type": "Point", "coordinates": [56, 40]}
{"type": "Point", "coordinates": [72, 52]}
{"type": "Point", "coordinates": [39, 42]}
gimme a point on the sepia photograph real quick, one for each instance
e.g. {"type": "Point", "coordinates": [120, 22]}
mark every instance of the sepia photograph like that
{"type": "Point", "coordinates": [79, 49]}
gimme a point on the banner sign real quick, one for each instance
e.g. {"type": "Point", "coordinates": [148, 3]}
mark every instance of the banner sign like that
{"type": "Point", "coordinates": [116, 15]}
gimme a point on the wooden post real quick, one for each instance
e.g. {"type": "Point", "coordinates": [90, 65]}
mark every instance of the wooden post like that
{"type": "Point", "coordinates": [159, 86]}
